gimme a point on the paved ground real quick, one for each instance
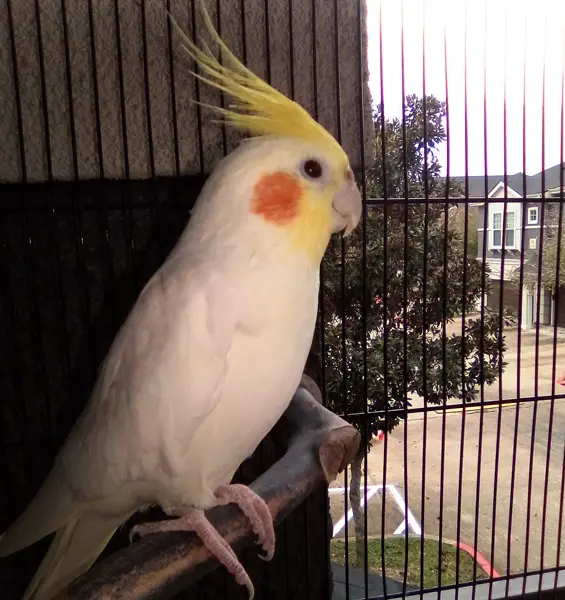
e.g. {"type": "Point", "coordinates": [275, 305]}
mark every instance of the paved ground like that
{"type": "Point", "coordinates": [357, 584]}
{"type": "Point", "coordinates": [405, 451]}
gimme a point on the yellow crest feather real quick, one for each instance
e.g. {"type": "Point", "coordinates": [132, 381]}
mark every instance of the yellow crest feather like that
{"type": "Point", "coordinates": [260, 109]}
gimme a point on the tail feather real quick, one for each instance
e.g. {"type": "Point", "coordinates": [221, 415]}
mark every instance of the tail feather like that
{"type": "Point", "coordinates": [72, 552]}
{"type": "Point", "coordinates": [51, 508]}
{"type": "Point", "coordinates": [49, 561]}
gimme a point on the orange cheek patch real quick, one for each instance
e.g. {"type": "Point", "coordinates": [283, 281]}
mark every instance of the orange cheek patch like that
{"type": "Point", "coordinates": [276, 197]}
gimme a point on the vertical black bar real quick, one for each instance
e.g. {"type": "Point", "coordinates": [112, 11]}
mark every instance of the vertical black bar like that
{"type": "Point", "coordinates": [33, 266]}
{"type": "Point", "coordinates": [385, 299]}
{"type": "Point", "coordinates": [111, 286]}
{"type": "Point", "coordinates": [559, 250]}
{"type": "Point", "coordinates": [25, 438]}
{"type": "Point", "coordinates": [322, 311]}
{"type": "Point", "coordinates": [463, 315]}
{"type": "Point", "coordinates": [342, 289]}
{"type": "Point", "coordinates": [360, 55]}
{"type": "Point", "coordinates": [147, 89]}
{"type": "Point", "coordinates": [554, 358]}
{"type": "Point", "coordinates": [520, 314]}
{"type": "Point", "coordinates": [220, 60]}
{"type": "Point", "coordinates": [444, 310]}
{"type": "Point", "coordinates": [16, 365]}
{"type": "Point", "coordinates": [424, 314]}
{"type": "Point", "coordinates": [30, 266]}
{"type": "Point", "coordinates": [538, 324]}
{"type": "Point", "coordinates": [150, 145]}
{"type": "Point", "coordinates": [49, 160]}
{"type": "Point", "coordinates": [243, 33]}
{"type": "Point", "coordinates": [269, 71]}
{"type": "Point", "coordinates": [268, 41]}
{"type": "Point", "coordinates": [561, 519]}
{"type": "Point", "coordinates": [173, 92]}
{"type": "Point", "coordinates": [125, 191]}
{"type": "Point", "coordinates": [292, 95]}
{"type": "Point", "coordinates": [482, 329]}
{"type": "Point", "coordinates": [20, 406]}
{"type": "Point", "coordinates": [501, 306]}
{"type": "Point", "coordinates": [322, 269]}
{"type": "Point", "coordinates": [197, 92]}
{"type": "Point", "coordinates": [291, 49]}
{"type": "Point", "coordinates": [553, 369]}
{"type": "Point", "coordinates": [79, 237]}
{"type": "Point", "coordinates": [405, 292]}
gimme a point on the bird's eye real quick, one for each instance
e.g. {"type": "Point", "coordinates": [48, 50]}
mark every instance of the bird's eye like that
{"type": "Point", "coordinates": [312, 168]}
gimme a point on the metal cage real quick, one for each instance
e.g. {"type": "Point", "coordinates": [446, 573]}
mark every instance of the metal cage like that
{"type": "Point", "coordinates": [441, 319]}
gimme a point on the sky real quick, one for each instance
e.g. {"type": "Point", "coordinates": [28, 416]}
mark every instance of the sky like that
{"type": "Point", "coordinates": [518, 41]}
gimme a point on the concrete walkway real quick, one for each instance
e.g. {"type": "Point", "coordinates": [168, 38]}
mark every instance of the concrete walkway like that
{"type": "Point", "coordinates": [356, 580]}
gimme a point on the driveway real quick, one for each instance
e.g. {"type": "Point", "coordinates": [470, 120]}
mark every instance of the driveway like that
{"type": "Point", "coordinates": [502, 489]}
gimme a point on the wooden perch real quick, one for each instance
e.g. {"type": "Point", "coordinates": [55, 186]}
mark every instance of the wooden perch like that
{"type": "Point", "coordinates": [318, 445]}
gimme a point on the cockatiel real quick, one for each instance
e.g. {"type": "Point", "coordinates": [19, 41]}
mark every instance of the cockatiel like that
{"type": "Point", "coordinates": [212, 351]}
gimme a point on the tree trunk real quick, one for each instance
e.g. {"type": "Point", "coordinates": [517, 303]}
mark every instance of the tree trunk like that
{"type": "Point", "coordinates": [355, 499]}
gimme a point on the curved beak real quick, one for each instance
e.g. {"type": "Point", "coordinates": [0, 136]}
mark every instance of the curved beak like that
{"type": "Point", "coordinates": [347, 206]}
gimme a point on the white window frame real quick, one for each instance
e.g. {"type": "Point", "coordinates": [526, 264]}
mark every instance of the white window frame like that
{"type": "Point", "coordinates": [514, 229]}
{"type": "Point", "coordinates": [493, 245]}
{"type": "Point", "coordinates": [534, 210]}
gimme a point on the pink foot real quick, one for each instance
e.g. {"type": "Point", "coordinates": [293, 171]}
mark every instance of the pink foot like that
{"type": "Point", "coordinates": [193, 519]}
{"type": "Point", "coordinates": [256, 510]}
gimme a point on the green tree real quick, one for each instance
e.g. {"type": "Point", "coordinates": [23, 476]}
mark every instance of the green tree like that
{"type": "Point", "coordinates": [553, 249]}
{"type": "Point", "coordinates": [458, 216]}
{"type": "Point", "coordinates": [417, 278]}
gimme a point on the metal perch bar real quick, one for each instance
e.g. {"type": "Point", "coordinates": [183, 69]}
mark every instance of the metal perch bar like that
{"type": "Point", "coordinates": [319, 445]}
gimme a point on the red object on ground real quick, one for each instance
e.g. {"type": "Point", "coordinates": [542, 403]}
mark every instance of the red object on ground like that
{"type": "Point", "coordinates": [561, 379]}
{"type": "Point", "coordinates": [483, 562]}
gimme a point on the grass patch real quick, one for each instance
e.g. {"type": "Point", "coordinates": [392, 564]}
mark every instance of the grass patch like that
{"type": "Point", "coordinates": [395, 560]}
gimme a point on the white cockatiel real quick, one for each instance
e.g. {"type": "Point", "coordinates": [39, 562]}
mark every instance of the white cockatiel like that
{"type": "Point", "coordinates": [213, 350]}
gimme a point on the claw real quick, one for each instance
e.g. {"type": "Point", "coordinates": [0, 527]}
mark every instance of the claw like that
{"type": "Point", "coordinates": [193, 519]}
{"type": "Point", "coordinates": [256, 510]}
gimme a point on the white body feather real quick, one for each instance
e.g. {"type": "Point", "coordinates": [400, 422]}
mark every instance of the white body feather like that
{"type": "Point", "coordinates": [204, 366]}
{"type": "Point", "coordinates": [180, 429]}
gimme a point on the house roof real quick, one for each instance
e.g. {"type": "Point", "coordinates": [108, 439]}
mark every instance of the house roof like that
{"type": "Point", "coordinates": [477, 184]}
{"type": "Point", "coordinates": [515, 181]}
{"type": "Point", "coordinates": [552, 180]}
{"type": "Point", "coordinates": [556, 191]}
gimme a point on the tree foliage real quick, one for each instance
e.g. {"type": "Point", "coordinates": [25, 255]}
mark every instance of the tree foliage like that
{"type": "Point", "coordinates": [552, 257]}
{"type": "Point", "coordinates": [412, 168]}
{"type": "Point", "coordinates": [393, 299]}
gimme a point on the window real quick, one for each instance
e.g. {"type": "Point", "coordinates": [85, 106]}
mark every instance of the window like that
{"type": "Point", "coordinates": [510, 235]}
{"type": "Point", "coordinates": [497, 230]}
{"type": "Point", "coordinates": [533, 215]}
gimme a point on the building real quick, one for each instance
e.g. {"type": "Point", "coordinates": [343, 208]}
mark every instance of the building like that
{"type": "Point", "coordinates": [520, 246]}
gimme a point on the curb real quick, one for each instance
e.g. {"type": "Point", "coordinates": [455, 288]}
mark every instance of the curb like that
{"type": "Point", "coordinates": [480, 559]}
